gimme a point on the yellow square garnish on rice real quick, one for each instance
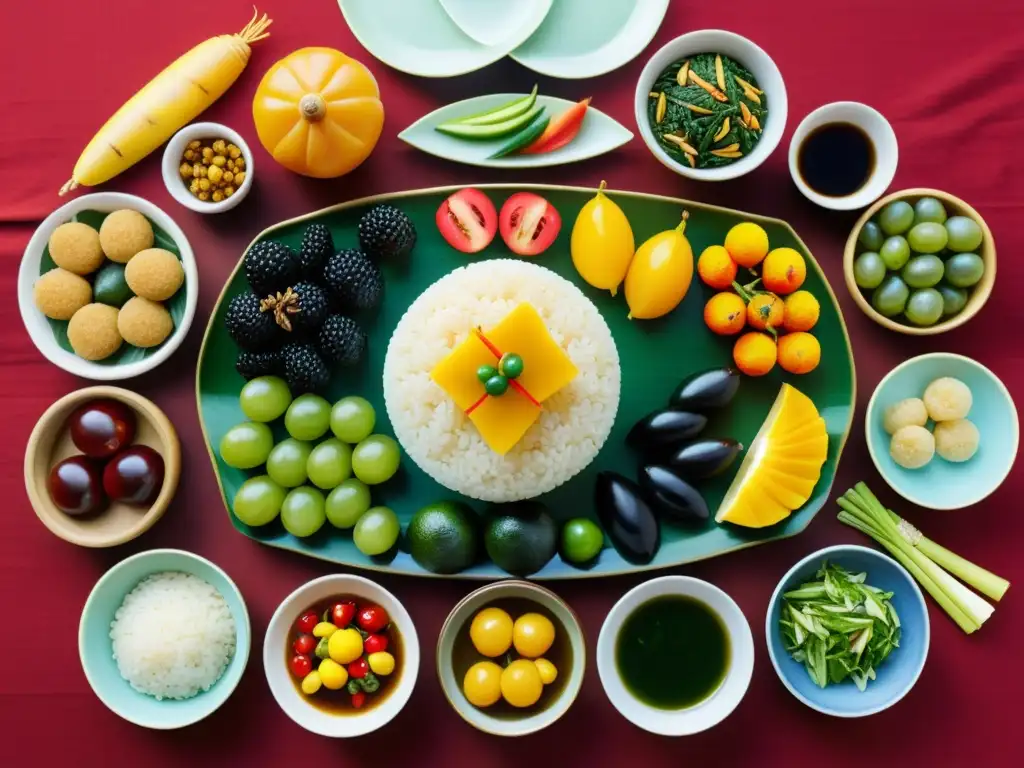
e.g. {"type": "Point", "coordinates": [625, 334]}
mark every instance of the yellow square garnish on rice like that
{"type": "Point", "coordinates": [456, 374]}
{"type": "Point", "coordinates": [546, 367]}
{"type": "Point", "coordinates": [502, 421]}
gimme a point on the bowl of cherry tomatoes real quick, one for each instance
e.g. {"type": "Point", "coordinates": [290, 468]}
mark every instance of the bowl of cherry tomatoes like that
{"type": "Point", "coordinates": [341, 656]}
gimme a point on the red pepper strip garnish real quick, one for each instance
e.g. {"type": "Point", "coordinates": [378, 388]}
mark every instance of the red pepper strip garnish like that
{"type": "Point", "coordinates": [560, 131]}
{"type": "Point", "coordinates": [477, 404]}
{"type": "Point", "coordinates": [487, 343]}
{"type": "Point", "coordinates": [522, 391]}
{"type": "Point", "coordinates": [515, 384]}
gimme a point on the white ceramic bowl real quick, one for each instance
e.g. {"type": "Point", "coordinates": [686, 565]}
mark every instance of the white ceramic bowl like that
{"type": "Point", "coordinates": [751, 56]}
{"type": "Point", "coordinates": [38, 326]}
{"type": "Point", "coordinates": [717, 706]}
{"type": "Point", "coordinates": [172, 161]}
{"type": "Point", "coordinates": [874, 124]}
{"type": "Point", "coordinates": [294, 703]}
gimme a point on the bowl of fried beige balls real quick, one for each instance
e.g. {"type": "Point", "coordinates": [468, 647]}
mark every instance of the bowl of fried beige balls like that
{"type": "Point", "coordinates": [107, 287]}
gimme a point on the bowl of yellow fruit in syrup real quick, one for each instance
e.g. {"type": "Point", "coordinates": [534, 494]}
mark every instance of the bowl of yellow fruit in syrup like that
{"type": "Point", "coordinates": [510, 658]}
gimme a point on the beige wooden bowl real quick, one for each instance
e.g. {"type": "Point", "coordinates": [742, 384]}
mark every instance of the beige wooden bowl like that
{"type": "Point", "coordinates": [978, 295]}
{"type": "Point", "coordinates": [50, 442]}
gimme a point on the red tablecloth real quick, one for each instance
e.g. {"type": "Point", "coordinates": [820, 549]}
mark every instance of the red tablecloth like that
{"type": "Point", "coordinates": [947, 74]}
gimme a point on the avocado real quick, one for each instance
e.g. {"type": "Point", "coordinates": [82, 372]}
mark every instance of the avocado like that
{"type": "Point", "coordinates": [442, 537]}
{"type": "Point", "coordinates": [520, 537]}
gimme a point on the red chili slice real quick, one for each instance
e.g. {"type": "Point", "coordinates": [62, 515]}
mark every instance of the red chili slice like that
{"type": "Point", "coordinates": [467, 220]}
{"type": "Point", "coordinates": [529, 223]}
{"type": "Point", "coordinates": [560, 131]}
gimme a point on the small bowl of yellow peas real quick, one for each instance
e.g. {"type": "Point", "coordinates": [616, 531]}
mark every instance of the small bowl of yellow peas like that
{"type": "Point", "coordinates": [207, 167]}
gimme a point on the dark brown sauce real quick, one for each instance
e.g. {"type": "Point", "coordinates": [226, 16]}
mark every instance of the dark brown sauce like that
{"type": "Point", "coordinates": [340, 702]}
{"type": "Point", "coordinates": [836, 159]}
{"type": "Point", "coordinates": [464, 656]}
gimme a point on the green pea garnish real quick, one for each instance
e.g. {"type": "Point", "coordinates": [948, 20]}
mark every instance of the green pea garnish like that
{"type": "Point", "coordinates": [485, 372]}
{"type": "Point", "coordinates": [496, 385]}
{"type": "Point", "coordinates": [511, 365]}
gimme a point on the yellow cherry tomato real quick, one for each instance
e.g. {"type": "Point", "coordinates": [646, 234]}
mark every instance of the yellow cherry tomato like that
{"type": "Point", "coordinates": [332, 675]}
{"type": "Point", "coordinates": [521, 684]}
{"type": "Point", "coordinates": [548, 671]}
{"type": "Point", "coordinates": [602, 243]}
{"type": "Point", "coordinates": [311, 683]}
{"type": "Point", "coordinates": [482, 684]}
{"type": "Point", "coordinates": [381, 663]}
{"type": "Point", "coordinates": [345, 646]}
{"type": "Point", "coordinates": [491, 632]}
{"type": "Point", "coordinates": [747, 243]}
{"type": "Point", "coordinates": [660, 274]}
{"type": "Point", "coordinates": [533, 634]}
{"type": "Point", "coordinates": [324, 629]}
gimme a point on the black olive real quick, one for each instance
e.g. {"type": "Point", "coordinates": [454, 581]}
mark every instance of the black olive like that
{"type": "Point", "coordinates": [663, 429]}
{"type": "Point", "coordinates": [628, 521]}
{"type": "Point", "coordinates": [706, 391]}
{"type": "Point", "coordinates": [671, 496]}
{"type": "Point", "coordinates": [705, 458]}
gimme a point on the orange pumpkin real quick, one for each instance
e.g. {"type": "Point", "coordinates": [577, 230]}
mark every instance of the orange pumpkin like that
{"type": "Point", "coordinates": [318, 112]}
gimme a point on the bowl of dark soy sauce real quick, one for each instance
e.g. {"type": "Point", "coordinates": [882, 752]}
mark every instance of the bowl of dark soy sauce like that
{"type": "Point", "coordinates": [843, 155]}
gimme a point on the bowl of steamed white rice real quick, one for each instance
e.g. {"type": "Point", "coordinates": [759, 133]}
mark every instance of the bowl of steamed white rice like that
{"type": "Point", "coordinates": [164, 638]}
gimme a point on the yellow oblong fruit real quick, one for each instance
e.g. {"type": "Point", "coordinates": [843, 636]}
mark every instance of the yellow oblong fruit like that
{"type": "Point", "coordinates": [602, 243]}
{"type": "Point", "coordinates": [660, 274]}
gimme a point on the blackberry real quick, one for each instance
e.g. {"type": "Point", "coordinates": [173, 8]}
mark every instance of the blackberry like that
{"type": "Point", "coordinates": [341, 341]}
{"type": "Point", "coordinates": [253, 364]}
{"type": "Point", "coordinates": [317, 248]}
{"type": "Point", "coordinates": [353, 281]}
{"type": "Point", "coordinates": [303, 369]}
{"type": "Point", "coordinates": [249, 326]}
{"type": "Point", "coordinates": [386, 232]}
{"type": "Point", "coordinates": [301, 309]}
{"type": "Point", "coordinates": [271, 267]}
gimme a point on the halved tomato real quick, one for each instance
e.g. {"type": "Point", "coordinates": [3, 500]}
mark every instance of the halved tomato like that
{"type": "Point", "coordinates": [467, 220]}
{"type": "Point", "coordinates": [528, 223]}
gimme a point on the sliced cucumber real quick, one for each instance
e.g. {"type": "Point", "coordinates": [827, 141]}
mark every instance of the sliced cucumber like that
{"type": "Point", "coordinates": [494, 131]}
{"type": "Point", "coordinates": [522, 139]}
{"type": "Point", "coordinates": [501, 114]}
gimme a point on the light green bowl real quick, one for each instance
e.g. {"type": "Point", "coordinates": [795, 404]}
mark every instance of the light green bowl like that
{"type": "Point", "coordinates": [96, 653]}
{"type": "Point", "coordinates": [942, 484]}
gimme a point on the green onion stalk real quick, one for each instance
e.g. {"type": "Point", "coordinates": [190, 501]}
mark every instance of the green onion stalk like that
{"type": "Point", "coordinates": [929, 563]}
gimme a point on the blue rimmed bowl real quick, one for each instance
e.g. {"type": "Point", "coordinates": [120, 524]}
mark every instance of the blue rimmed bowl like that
{"type": "Point", "coordinates": [943, 484]}
{"type": "Point", "coordinates": [896, 675]}
{"type": "Point", "coordinates": [96, 650]}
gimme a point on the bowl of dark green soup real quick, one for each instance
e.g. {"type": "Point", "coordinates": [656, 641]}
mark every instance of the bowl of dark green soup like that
{"type": "Point", "coordinates": [675, 655]}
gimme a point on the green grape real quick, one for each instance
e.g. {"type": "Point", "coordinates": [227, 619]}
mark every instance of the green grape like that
{"type": "Point", "coordinates": [964, 269]}
{"type": "Point", "coordinates": [929, 209]}
{"type": "Point", "coordinates": [308, 417]}
{"type": "Point", "coordinates": [964, 233]}
{"type": "Point", "coordinates": [923, 271]}
{"type": "Point", "coordinates": [329, 463]}
{"type": "Point", "coordinates": [953, 299]}
{"type": "Point", "coordinates": [352, 419]}
{"type": "Point", "coordinates": [375, 459]}
{"type": "Point", "coordinates": [377, 531]}
{"type": "Point", "coordinates": [891, 296]}
{"type": "Point", "coordinates": [924, 307]}
{"type": "Point", "coordinates": [265, 398]}
{"type": "Point", "coordinates": [896, 218]}
{"type": "Point", "coordinates": [928, 237]}
{"type": "Point", "coordinates": [302, 512]}
{"type": "Point", "coordinates": [895, 252]}
{"type": "Point", "coordinates": [246, 445]}
{"type": "Point", "coordinates": [871, 236]}
{"type": "Point", "coordinates": [286, 463]}
{"type": "Point", "coordinates": [869, 270]}
{"type": "Point", "coordinates": [347, 503]}
{"type": "Point", "coordinates": [258, 501]}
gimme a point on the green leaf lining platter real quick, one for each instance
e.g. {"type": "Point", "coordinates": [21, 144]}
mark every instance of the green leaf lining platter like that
{"type": "Point", "coordinates": [598, 134]}
{"type": "Point", "coordinates": [654, 356]}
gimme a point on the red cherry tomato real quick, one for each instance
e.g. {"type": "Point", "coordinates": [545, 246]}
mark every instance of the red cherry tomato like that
{"type": "Point", "coordinates": [301, 665]}
{"type": "Point", "coordinates": [375, 644]}
{"type": "Point", "coordinates": [529, 224]}
{"type": "Point", "coordinates": [467, 220]}
{"type": "Point", "coordinates": [304, 644]}
{"type": "Point", "coordinates": [373, 618]}
{"type": "Point", "coordinates": [342, 613]}
{"type": "Point", "coordinates": [306, 622]}
{"type": "Point", "coordinates": [359, 668]}
{"type": "Point", "coordinates": [358, 699]}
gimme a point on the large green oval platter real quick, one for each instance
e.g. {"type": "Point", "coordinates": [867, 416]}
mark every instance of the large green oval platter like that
{"type": "Point", "coordinates": [655, 356]}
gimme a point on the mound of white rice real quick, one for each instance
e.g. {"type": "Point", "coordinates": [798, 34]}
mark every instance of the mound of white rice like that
{"type": "Point", "coordinates": [440, 438]}
{"type": "Point", "coordinates": [173, 636]}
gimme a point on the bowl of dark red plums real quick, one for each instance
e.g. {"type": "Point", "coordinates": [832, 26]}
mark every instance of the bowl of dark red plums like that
{"type": "Point", "coordinates": [101, 466]}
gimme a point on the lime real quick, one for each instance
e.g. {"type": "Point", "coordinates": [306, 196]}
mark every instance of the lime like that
{"type": "Point", "coordinates": [442, 537]}
{"type": "Point", "coordinates": [582, 540]}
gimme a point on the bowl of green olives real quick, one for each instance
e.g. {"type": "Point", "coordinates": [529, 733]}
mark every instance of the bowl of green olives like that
{"type": "Point", "coordinates": [920, 262]}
